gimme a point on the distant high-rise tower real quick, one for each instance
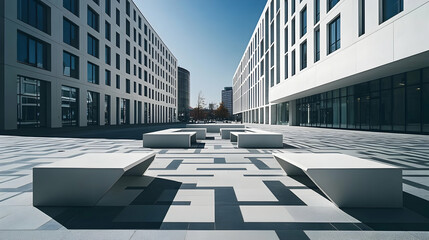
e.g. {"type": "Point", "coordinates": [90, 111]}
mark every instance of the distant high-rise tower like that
{"type": "Point", "coordinates": [227, 99]}
{"type": "Point", "coordinates": [183, 95]}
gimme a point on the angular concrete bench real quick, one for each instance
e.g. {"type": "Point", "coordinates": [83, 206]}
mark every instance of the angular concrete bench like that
{"type": "Point", "coordinates": [84, 180]}
{"type": "Point", "coordinates": [254, 138]}
{"type": "Point", "coordinates": [201, 132]}
{"type": "Point", "coordinates": [214, 128]}
{"type": "Point", "coordinates": [225, 132]}
{"type": "Point", "coordinates": [169, 139]}
{"type": "Point", "coordinates": [349, 182]}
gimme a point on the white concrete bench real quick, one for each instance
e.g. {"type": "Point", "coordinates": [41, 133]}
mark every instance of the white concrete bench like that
{"type": "Point", "coordinates": [84, 180]}
{"type": "Point", "coordinates": [214, 128]}
{"type": "Point", "coordinates": [169, 139]}
{"type": "Point", "coordinates": [254, 138]}
{"type": "Point", "coordinates": [225, 132]}
{"type": "Point", "coordinates": [201, 132]}
{"type": "Point", "coordinates": [348, 181]}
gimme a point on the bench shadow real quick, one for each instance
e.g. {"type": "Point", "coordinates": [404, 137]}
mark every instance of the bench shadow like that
{"type": "Point", "coordinates": [287, 146]}
{"type": "Point", "coordinates": [306, 181]}
{"type": "Point", "coordinates": [132, 203]}
{"type": "Point", "coordinates": [210, 138]}
{"type": "Point", "coordinates": [414, 216]}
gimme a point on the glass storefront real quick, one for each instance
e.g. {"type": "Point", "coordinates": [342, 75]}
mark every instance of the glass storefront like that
{"type": "Point", "coordinates": [31, 102]}
{"type": "Point", "coordinates": [107, 109]}
{"type": "Point", "coordinates": [397, 103]}
{"type": "Point", "coordinates": [124, 111]}
{"type": "Point", "coordinates": [70, 106]}
{"type": "Point", "coordinates": [282, 110]}
{"type": "Point", "coordinates": [93, 104]}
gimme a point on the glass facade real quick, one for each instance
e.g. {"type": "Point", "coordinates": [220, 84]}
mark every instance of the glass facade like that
{"type": "Point", "coordinates": [93, 104]}
{"type": "Point", "coordinates": [107, 107]}
{"type": "Point", "coordinates": [31, 102]}
{"type": "Point", "coordinates": [70, 106]}
{"type": "Point", "coordinates": [394, 103]}
{"type": "Point", "coordinates": [282, 110]}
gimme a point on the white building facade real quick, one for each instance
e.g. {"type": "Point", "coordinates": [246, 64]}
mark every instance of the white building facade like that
{"type": "Point", "coordinates": [351, 64]}
{"type": "Point", "coordinates": [82, 62]}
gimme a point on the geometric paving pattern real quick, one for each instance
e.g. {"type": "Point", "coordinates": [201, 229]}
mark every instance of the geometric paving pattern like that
{"type": "Point", "coordinates": [215, 190]}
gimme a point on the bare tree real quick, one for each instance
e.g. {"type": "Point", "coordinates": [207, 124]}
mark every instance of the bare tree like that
{"type": "Point", "coordinates": [201, 102]}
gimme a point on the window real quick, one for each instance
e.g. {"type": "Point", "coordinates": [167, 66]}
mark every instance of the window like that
{"type": "Point", "coordinates": [293, 63]}
{"type": "Point", "coordinates": [293, 31]}
{"type": "Point", "coordinates": [361, 17]}
{"type": "Point", "coordinates": [140, 89]}
{"type": "Point", "coordinates": [316, 11]}
{"type": "Point", "coordinates": [107, 106]}
{"type": "Point", "coordinates": [292, 7]}
{"type": "Point", "coordinates": [96, 2]}
{"type": "Point", "coordinates": [72, 6]}
{"type": "Point", "coordinates": [108, 7]}
{"type": "Point", "coordinates": [127, 47]}
{"type": "Point", "coordinates": [390, 8]}
{"type": "Point", "coordinates": [92, 104]}
{"type": "Point", "coordinates": [127, 27]}
{"type": "Point", "coordinates": [36, 14]}
{"type": "Point", "coordinates": [127, 86]}
{"type": "Point", "coordinates": [145, 91]}
{"type": "Point", "coordinates": [145, 75]}
{"type": "Point", "coordinates": [135, 87]}
{"type": "Point", "coordinates": [31, 107]}
{"type": "Point", "coordinates": [107, 78]}
{"type": "Point", "coordinates": [334, 35]}
{"type": "Point", "coordinates": [118, 40]}
{"type": "Point", "coordinates": [93, 73]}
{"type": "Point", "coordinates": [140, 23]}
{"type": "Point", "coordinates": [118, 82]}
{"type": "Point", "coordinates": [317, 45]}
{"type": "Point", "coordinates": [93, 46]}
{"type": "Point", "coordinates": [303, 21]}
{"type": "Point", "coordinates": [118, 17]}
{"type": "Point", "coordinates": [286, 39]}
{"type": "Point", "coordinates": [118, 62]}
{"type": "Point", "coordinates": [145, 60]}
{"type": "Point", "coordinates": [33, 51]}
{"type": "Point", "coordinates": [145, 29]}
{"type": "Point", "coordinates": [70, 33]}
{"type": "Point", "coordinates": [286, 11]}
{"type": "Point", "coordinates": [70, 65]}
{"type": "Point", "coordinates": [69, 106]}
{"type": "Point", "coordinates": [303, 51]}
{"type": "Point", "coordinates": [145, 45]}
{"type": "Point", "coordinates": [127, 66]}
{"type": "Point", "coordinates": [127, 8]}
{"type": "Point", "coordinates": [286, 66]}
{"type": "Point", "coordinates": [331, 4]}
{"type": "Point", "coordinates": [107, 55]}
{"type": "Point", "coordinates": [107, 31]}
{"type": "Point", "coordinates": [93, 19]}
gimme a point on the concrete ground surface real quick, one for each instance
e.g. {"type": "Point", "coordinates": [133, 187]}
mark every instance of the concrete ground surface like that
{"type": "Point", "coordinates": [213, 190]}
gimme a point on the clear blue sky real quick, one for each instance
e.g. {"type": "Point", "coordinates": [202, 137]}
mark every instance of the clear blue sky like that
{"type": "Point", "coordinates": [208, 37]}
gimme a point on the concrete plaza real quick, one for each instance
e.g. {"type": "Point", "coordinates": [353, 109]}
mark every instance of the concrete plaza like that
{"type": "Point", "coordinates": [214, 190]}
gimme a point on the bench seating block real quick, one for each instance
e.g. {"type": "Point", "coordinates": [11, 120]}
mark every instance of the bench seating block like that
{"type": "Point", "coordinates": [226, 132]}
{"type": "Point", "coordinates": [201, 132]}
{"type": "Point", "coordinates": [349, 182]}
{"type": "Point", "coordinates": [169, 139]}
{"type": "Point", "coordinates": [84, 180]}
{"type": "Point", "coordinates": [214, 128]}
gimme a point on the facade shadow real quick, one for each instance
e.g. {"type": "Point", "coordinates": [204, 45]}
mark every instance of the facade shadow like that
{"type": "Point", "coordinates": [133, 132]}
{"type": "Point", "coordinates": [146, 209]}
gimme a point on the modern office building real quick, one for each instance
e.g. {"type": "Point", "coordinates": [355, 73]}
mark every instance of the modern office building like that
{"type": "Point", "coordinates": [227, 99]}
{"type": "Point", "coordinates": [184, 91]}
{"type": "Point", "coordinates": [351, 64]}
{"type": "Point", "coordinates": [82, 62]}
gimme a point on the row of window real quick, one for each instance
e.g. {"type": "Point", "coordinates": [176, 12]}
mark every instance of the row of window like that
{"type": "Point", "coordinates": [32, 106]}
{"type": "Point", "coordinates": [249, 63]}
{"type": "Point", "coordinates": [35, 52]}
